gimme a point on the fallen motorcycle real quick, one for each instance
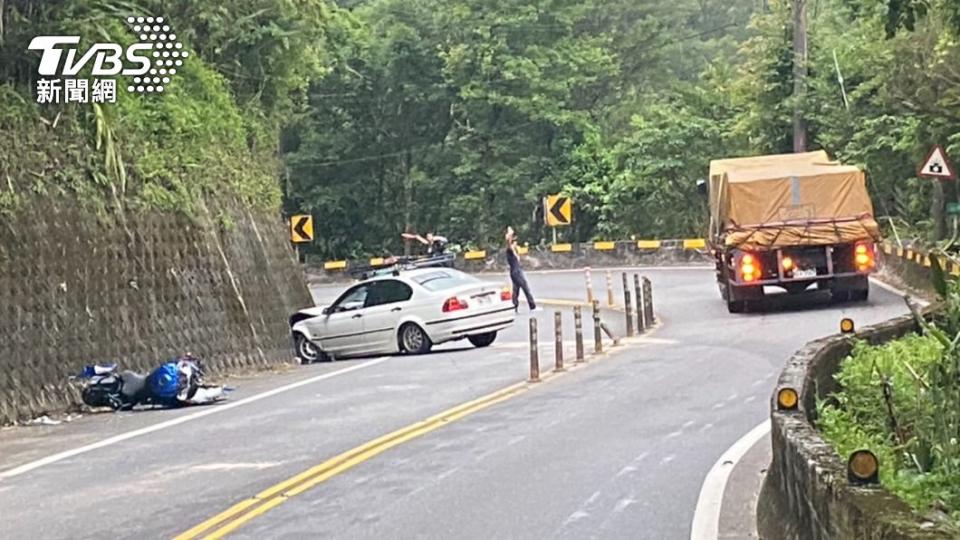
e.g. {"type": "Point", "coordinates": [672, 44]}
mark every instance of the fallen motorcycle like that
{"type": "Point", "coordinates": [176, 383]}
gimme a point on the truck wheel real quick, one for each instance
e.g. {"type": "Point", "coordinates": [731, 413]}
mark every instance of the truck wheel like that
{"type": "Point", "coordinates": [840, 295]}
{"type": "Point", "coordinates": [736, 306]}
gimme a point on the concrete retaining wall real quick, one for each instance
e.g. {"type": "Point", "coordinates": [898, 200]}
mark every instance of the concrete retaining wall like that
{"type": "Point", "coordinates": [75, 289]}
{"type": "Point", "coordinates": [806, 494]}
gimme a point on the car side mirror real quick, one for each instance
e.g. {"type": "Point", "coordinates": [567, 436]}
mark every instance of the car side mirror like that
{"type": "Point", "coordinates": [326, 311]}
{"type": "Point", "coordinates": [702, 187]}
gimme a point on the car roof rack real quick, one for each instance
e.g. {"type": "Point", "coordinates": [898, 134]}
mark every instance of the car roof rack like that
{"type": "Point", "coordinates": [400, 264]}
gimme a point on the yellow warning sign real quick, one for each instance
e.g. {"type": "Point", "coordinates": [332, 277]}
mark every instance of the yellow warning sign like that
{"type": "Point", "coordinates": [301, 229]}
{"type": "Point", "coordinates": [558, 210]}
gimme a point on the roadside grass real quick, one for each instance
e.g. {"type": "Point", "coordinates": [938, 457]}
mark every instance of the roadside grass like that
{"type": "Point", "coordinates": [901, 400]}
{"type": "Point", "coordinates": [883, 407]}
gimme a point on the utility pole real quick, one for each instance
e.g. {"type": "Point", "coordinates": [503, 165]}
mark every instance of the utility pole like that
{"type": "Point", "coordinates": [799, 74]}
{"type": "Point", "coordinates": [407, 200]}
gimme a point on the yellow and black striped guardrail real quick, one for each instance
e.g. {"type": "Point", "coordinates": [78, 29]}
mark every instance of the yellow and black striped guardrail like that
{"type": "Point", "coordinates": [918, 256]}
{"type": "Point", "coordinates": [479, 255]}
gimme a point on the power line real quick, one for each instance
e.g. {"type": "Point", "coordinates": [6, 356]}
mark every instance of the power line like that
{"type": "Point", "coordinates": [397, 153]}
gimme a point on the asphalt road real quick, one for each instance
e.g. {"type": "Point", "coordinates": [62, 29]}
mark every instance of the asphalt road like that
{"type": "Point", "coordinates": [618, 449]}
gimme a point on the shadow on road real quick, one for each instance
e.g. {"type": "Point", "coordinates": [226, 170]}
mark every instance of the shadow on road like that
{"type": "Point", "coordinates": [783, 302]}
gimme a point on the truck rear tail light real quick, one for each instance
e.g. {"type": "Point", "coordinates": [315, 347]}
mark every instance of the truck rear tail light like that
{"type": "Point", "coordinates": [749, 268]}
{"type": "Point", "coordinates": [454, 304]}
{"type": "Point", "coordinates": [863, 257]}
{"type": "Point", "coordinates": [506, 295]}
{"type": "Point", "coordinates": [787, 264]}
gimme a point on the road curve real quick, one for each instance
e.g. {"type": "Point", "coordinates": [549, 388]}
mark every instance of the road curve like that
{"type": "Point", "coordinates": [616, 450]}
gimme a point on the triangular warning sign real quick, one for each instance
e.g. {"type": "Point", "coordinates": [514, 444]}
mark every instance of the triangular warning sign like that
{"type": "Point", "coordinates": [937, 165]}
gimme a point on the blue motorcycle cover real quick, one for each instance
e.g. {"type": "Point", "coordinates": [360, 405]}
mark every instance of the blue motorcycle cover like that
{"type": "Point", "coordinates": [164, 382]}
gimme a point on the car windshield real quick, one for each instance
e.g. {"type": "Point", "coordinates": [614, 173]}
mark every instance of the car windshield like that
{"type": "Point", "coordinates": [443, 279]}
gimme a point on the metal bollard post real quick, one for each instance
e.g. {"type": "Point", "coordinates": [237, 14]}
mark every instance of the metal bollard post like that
{"type": "Point", "coordinates": [534, 353]}
{"type": "Point", "coordinates": [558, 341]}
{"type": "Point", "coordinates": [597, 337]}
{"type": "Point", "coordinates": [610, 301]}
{"type": "Point", "coordinates": [648, 299]}
{"type": "Point", "coordinates": [639, 296]}
{"type": "Point", "coordinates": [589, 284]}
{"type": "Point", "coordinates": [578, 329]}
{"type": "Point", "coordinates": [627, 305]}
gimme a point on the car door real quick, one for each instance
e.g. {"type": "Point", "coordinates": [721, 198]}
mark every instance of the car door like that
{"type": "Point", "coordinates": [340, 331]}
{"type": "Point", "coordinates": [385, 303]}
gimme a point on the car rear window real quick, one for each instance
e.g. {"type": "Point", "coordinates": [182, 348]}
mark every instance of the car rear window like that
{"type": "Point", "coordinates": [443, 279]}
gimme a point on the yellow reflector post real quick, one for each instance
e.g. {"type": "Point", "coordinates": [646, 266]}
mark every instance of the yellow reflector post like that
{"type": "Point", "coordinates": [648, 244]}
{"type": "Point", "coordinates": [474, 255]}
{"type": "Point", "coordinates": [376, 261]}
{"type": "Point", "coordinates": [847, 326]}
{"type": "Point", "coordinates": [334, 265]}
{"type": "Point", "coordinates": [522, 250]}
{"type": "Point", "coordinates": [694, 243]}
{"type": "Point", "coordinates": [863, 468]}
{"type": "Point", "coordinates": [561, 248]}
{"type": "Point", "coordinates": [787, 399]}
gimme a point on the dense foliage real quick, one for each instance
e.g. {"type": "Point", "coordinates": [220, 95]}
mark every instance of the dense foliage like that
{"type": "Point", "coordinates": [458, 116]}
{"type": "Point", "coordinates": [901, 400]}
{"type": "Point", "coordinates": [212, 134]}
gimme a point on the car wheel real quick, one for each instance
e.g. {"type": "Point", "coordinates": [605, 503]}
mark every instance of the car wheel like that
{"type": "Point", "coordinates": [482, 340]}
{"type": "Point", "coordinates": [307, 352]}
{"type": "Point", "coordinates": [414, 340]}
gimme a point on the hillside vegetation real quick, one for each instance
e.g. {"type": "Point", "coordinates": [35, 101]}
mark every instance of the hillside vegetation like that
{"type": "Point", "coordinates": [378, 116]}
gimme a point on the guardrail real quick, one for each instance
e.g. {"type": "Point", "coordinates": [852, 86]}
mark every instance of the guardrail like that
{"type": "Point", "coordinates": [479, 256]}
{"type": "Point", "coordinates": [807, 492]}
{"type": "Point", "coordinates": [916, 255]}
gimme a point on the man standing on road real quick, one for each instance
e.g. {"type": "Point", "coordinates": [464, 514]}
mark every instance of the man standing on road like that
{"type": "Point", "coordinates": [516, 273]}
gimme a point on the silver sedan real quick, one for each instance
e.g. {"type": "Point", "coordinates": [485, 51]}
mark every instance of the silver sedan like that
{"type": "Point", "coordinates": [404, 311]}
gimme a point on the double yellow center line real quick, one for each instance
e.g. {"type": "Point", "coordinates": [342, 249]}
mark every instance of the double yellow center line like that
{"type": "Point", "coordinates": [239, 514]}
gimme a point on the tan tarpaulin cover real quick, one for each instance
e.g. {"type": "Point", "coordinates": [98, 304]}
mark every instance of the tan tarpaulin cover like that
{"type": "Point", "coordinates": [789, 200]}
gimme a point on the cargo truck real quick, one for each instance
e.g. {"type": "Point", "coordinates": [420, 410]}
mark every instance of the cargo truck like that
{"type": "Point", "coordinates": [793, 221]}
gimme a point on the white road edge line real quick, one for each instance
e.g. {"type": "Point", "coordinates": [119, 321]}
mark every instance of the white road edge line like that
{"type": "Point", "coordinates": [27, 467]}
{"type": "Point", "coordinates": [706, 517]}
{"type": "Point", "coordinates": [898, 292]}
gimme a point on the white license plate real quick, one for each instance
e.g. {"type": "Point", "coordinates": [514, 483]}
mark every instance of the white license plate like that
{"type": "Point", "coordinates": [805, 273]}
{"type": "Point", "coordinates": [483, 299]}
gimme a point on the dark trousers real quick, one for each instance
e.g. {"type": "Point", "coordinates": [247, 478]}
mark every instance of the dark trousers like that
{"type": "Point", "coordinates": [520, 282]}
